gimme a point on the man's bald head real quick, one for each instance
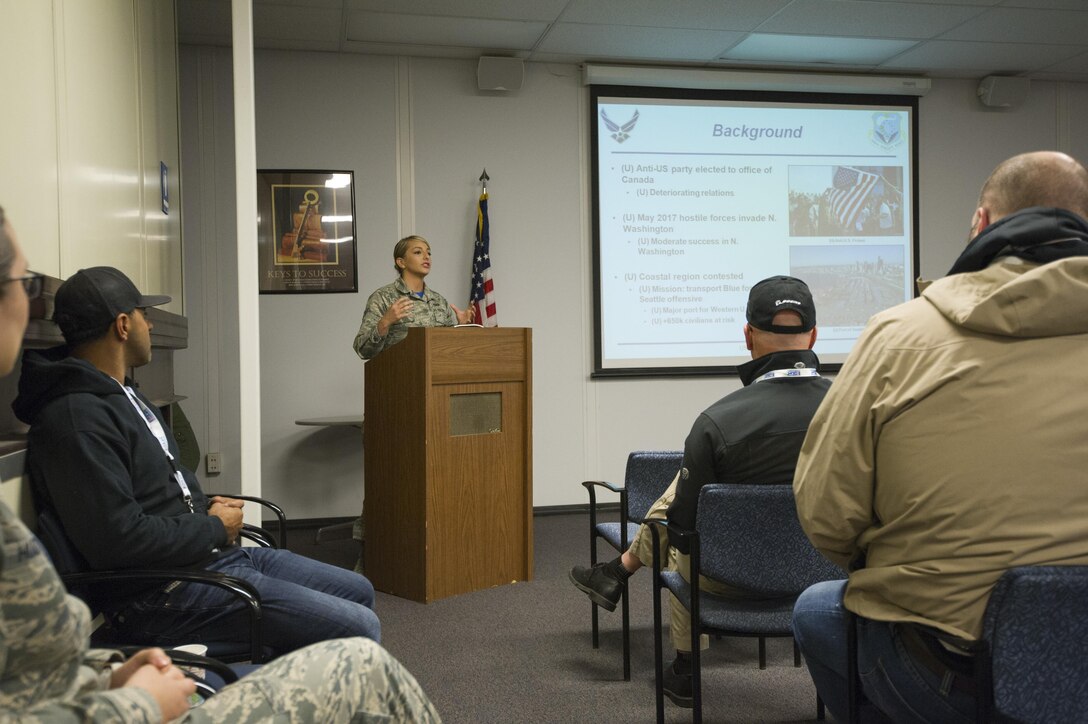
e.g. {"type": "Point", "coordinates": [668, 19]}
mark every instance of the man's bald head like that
{"type": "Point", "coordinates": [1040, 178]}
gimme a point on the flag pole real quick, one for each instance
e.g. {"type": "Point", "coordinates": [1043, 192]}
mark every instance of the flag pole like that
{"type": "Point", "coordinates": [482, 288]}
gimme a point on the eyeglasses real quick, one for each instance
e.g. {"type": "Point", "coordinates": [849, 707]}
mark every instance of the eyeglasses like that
{"type": "Point", "coordinates": [32, 283]}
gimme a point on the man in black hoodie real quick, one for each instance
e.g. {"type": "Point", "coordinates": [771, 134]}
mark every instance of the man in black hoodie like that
{"type": "Point", "coordinates": [100, 456]}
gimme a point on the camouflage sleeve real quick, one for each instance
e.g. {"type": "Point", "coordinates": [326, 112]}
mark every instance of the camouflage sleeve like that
{"type": "Point", "coordinates": [128, 704]}
{"type": "Point", "coordinates": [368, 343]}
{"type": "Point", "coordinates": [339, 680]}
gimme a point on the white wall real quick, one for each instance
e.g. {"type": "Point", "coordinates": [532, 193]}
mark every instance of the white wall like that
{"type": "Point", "coordinates": [417, 132]}
{"type": "Point", "coordinates": [91, 110]}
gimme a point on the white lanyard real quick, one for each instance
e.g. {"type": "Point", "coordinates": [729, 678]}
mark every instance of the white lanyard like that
{"type": "Point", "coordinates": [793, 372]}
{"type": "Point", "coordinates": [155, 427]}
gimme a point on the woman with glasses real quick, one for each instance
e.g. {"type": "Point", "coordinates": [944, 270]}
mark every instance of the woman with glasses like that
{"type": "Point", "coordinates": [48, 673]}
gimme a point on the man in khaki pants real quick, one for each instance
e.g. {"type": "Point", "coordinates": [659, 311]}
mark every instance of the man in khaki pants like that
{"type": "Point", "coordinates": [752, 435]}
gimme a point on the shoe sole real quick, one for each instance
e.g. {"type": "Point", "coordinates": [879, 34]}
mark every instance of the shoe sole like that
{"type": "Point", "coordinates": [593, 595]}
{"type": "Point", "coordinates": [684, 702]}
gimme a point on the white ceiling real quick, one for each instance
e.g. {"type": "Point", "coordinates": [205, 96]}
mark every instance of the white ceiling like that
{"type": "Point", "coordinates": [1042, 39]}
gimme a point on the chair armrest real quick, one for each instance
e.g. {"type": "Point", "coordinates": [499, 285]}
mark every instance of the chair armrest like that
{"type": "Point", "coordinates": [203, 688]}
{"type": "Point", "coordinates": [969, 647]}
{"type": "Point", "coordinates": [694, 564]}
{"type": "Point", "coordinates": [672, 528]}
{"type": "Point", "coordinates": [187, 658]}
{"type": "Point", "coordinates": [675, 531]}
{"type": "Point", "coordinates": [591, 487]}
{"type": "Point", "coordinates": [258, 535]}
{"type": "Point", "coordinates": [241, 589]}
{"type": "Point", "coordinates": [590, 484]}
{"type": "Point", "coordinates": [281, 517]}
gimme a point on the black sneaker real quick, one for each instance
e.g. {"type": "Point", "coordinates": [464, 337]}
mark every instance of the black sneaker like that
{"type": "Point", "coordinates": [677, 683]}
{"type": "Point", "coordinates": [599, 583]}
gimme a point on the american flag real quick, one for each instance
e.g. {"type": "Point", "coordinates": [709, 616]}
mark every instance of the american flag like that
{"type": "Point", "coordinates": [483, 288]}
{"type": "Point", "coordinates": [851, 189]}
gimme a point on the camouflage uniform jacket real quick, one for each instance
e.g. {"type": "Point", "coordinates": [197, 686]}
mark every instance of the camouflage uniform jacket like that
{"type": "Point", "coordinates": [47, 673]}
{"type": "Point", "coordinates": [49, 676]}
{"type": "Point", "coordinates": [432, 310]}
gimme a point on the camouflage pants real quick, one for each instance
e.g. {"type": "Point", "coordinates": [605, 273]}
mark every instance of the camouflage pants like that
{"type": "Point", "coordinates": [642, 547]}
{"type": "Point", "coordinates": [343, 680]}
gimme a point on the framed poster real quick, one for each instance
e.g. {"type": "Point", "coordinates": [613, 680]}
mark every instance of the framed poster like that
{"type": "Point", "coordinates": [306, 232]}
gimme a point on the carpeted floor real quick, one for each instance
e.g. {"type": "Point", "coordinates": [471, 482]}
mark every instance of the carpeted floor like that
{"type": "Point", "coordinates": [522, 653]}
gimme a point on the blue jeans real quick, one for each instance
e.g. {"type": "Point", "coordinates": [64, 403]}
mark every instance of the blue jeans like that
{"type": "Point", "coordinates": [303, 601]}
{"type": "Point", "coordinates": [893, 684]}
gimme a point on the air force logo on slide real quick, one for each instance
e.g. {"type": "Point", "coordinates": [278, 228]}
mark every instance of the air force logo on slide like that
{"type": "Point", "coordinates": [619, 133]}
{"type": "Point", "coordinates": [886, 130]}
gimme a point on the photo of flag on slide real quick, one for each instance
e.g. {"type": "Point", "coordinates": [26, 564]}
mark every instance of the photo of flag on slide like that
{"type": "Point", "coordinates": [837, 200]}
{"type": "Point", "coordinates": [850, 190]}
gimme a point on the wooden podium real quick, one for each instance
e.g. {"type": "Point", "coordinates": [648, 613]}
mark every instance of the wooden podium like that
{"type": "Point", "coordinates": [448, 462]}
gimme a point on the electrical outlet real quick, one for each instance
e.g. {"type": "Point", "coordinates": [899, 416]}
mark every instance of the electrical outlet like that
{"type": "Point", "coordinates": [211, 464]}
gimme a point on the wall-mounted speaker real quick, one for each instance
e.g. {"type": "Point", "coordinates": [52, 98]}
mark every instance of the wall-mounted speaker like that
{"type": "Point", "coordinates": [500, 74]}
{"type": "Point", "coordinates": [999, 91]}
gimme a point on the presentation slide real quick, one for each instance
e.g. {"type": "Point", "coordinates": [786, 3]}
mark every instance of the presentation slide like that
{"type": "Point", "coordinates": [699, 199]}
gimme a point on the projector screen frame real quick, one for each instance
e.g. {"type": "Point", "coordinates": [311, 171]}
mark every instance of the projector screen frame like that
{"type": "Point", "coordinates": [596, 91]}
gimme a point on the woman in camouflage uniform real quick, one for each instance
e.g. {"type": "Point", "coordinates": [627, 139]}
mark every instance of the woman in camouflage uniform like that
{"type": "Point", "coordinates": [48, 673]}
{"type": "Point", "coordinates": [406, 302]}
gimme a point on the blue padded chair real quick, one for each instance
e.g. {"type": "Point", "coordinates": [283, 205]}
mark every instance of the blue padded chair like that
{"type": "Point", "coordinates": [1029, 664]}
{"type": "Point", "coordinates": [647, 476]}
{"type": "Point", "coordinates": [746, 536]}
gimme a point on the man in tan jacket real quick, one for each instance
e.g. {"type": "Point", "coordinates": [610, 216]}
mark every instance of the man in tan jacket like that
{"type": "Point", "coordinates": [953, 446]}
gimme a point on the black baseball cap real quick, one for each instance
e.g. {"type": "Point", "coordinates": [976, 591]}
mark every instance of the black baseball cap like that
{"type": "Point", "coordinates": [89, 300]}
{"type": "Point", "coordinates": [777, 294]}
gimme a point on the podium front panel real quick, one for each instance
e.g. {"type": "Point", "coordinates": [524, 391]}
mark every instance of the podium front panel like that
{"type": "Point", "coordinates": [478, 482]}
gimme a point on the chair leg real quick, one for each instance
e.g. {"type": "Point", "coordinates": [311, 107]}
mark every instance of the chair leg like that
{"type": "Point", "coordinates": [625, 595]}
{"type": "Point", "coordinates": [853, 683]}
{"type": "Point", "coordinates": [762, 652]}
{"type": "Point", "coordinates": [819, 708]}
{"type": "Point", "coordinates": [593, 606]}
{"type": "Point", "coordinates": [696, 679]}
{"type": "Point", "coordinates": [659, 673]}
{"type": "Point", "coordinates": [796, 654]}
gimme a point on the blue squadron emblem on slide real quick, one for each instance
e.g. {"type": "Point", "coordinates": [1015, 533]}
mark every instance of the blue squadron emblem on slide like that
{"type": "Point", "coordinates": [886, 130]}
{"type": "Point", "coordinates": [619, 133]}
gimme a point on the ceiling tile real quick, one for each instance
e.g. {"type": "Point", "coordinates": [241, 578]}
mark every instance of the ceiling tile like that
{"type": "Point", "coordinates": [951, 38]}
{"type": "Point", "coordinates": [695, 14]}
{"type": "Point", "coordinates": [545, 10]}
{"type": "Point", "coordinates": [1075, 64]}
{"type": "Point", "coordinates": [420, 51]}
{"type": "Point", "coordinates": [621, 41]}
{"type": "Point", "coordinates": [977, 3]}
{"type": "Point", "coordinates": [1019, 25]}
{"type": "Point", "coordinates": [1044, 4]}
{"type": "Point", "coordinates": [816, 49]}
{"type": "Point", "coordinates": [985, 57]}
{"type": "Point", "coordinates": [274, 22]}
{"type": "Point", "coordinates": [867, 19]}
{"type": "Point", "coordinates": [365, 26]}
{"type": "Point", "coordinates": [338, 4]}
{"type": "Point", "coordinates": [327, 46]}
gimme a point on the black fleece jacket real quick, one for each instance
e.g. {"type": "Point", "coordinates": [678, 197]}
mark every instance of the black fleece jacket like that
{"type": "Point", "coordinates": [751, 436]}
{"type": "Point", "coordinates": [93, 460]}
